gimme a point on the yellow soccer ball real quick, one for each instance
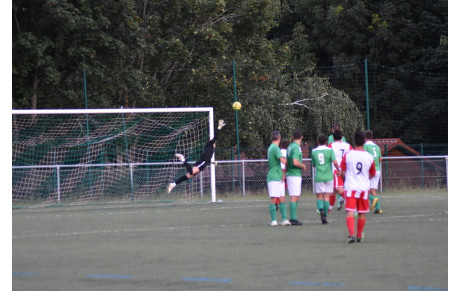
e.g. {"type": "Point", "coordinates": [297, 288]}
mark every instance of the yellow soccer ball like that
{"type": "Point", "coordinates": [236, 105]}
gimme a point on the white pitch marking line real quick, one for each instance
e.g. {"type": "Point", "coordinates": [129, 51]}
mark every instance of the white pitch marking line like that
{"type": "Point", "coordinates": [428, 217]}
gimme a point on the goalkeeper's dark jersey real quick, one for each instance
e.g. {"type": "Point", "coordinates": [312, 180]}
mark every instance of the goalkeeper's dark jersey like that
{"type": "Point", "coordinates": [208, 152]}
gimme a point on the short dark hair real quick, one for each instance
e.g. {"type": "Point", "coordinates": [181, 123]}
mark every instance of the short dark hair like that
{"type": "Point", "coordinates": [336, 126]}
{"type": "Point", "coordinates": [337, 134]}
{"type": "Point", "coordinates": [359, 138]}
{"type": "Point", "coordinates": [284, 144]}
{"type": "Point", "coordinates": [322, 139]}
{"type": "Point", "coordinates": [275, 135]}
{"type": "Point", "coordinates": [297, 134]}
{"type": "Point", "coordinates": [368, 134]}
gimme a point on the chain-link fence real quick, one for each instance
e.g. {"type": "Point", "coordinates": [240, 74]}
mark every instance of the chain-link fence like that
{"type": "Point", "coordinates": [248, 177]}
{"type": "Point", "coordinates": [136, 182]}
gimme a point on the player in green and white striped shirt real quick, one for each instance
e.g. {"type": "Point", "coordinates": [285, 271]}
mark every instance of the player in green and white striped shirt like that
{"type": "Point", "coordinates": [374, 150]}
{"type": "Point", "coordinates": [322, 159]}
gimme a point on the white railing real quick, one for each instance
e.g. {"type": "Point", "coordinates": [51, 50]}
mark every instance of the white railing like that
{"type": "Point", "coordinates": [240, 177]}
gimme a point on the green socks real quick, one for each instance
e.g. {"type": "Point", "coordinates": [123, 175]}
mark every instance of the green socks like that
{"type": "Point", "coordinates": [283, 210]}
{"type": "Point", "coordinates": [326, 207]}
{"type": "Point", "coordinates": [319, 204]}
{"type": "Point", "coordinates": [293, 208]}
{"type": "Point", "coordinates": [273, 211]}
{"type": "Point", "coordinates": [371, 200]}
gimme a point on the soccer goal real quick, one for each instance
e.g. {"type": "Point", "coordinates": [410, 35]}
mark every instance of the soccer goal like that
{"type": "Point", "coordinates": [80, 156]}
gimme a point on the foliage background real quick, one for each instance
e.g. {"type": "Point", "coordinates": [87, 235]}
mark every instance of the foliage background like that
{"type": "Point", "coordinates": [175, 53]}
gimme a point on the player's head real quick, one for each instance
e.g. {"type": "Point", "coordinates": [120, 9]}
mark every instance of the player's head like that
{"type": "Point", "coordinates": [335, 127]}
{"type": "Point", "coordinates": [284, 144]}
{"type": "Point", "coordinates": [359, 138]}
{"type": "Point", "coordinates": [275, 136]}
{"type": "Point", "coordinates": [297, 134]}
{"type": "Point", "coordinates": [368, 134]}
{"type": "Point", "coordinates": [321, 139]}
{"type": "Point", "coordinates": [337, 134]}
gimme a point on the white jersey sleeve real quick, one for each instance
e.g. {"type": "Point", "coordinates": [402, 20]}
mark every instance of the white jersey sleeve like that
{"type": "Point", "coordinates": [284, 154]}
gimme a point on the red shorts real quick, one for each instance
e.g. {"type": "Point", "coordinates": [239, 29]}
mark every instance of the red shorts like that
{"type": "Point", "coordinates": [355, 200]}
{"type": "Point", "coordinates": [338, 180]}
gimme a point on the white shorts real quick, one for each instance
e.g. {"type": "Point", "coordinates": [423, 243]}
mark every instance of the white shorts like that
{"type": "Point", "coordinates": [324, 187]}
{"type": "Point", "coordinates": [375, 180]}
{"type": "Point", "coordinates": [276, 189]}
{"type": "Point", "coordinates": [294, 185]}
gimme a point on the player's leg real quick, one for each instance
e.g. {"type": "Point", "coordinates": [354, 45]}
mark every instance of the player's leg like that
{"type": "Point", "coordinates": [363, 208]}
{"type": "Point", "coordinates": [294, 185]}
{"type": "Point", "coordinates": [331, 202]}
{"type": "Point", "coordinates": [182, 178]}
{"type": "Point", "coordinates": [274, 194]}
{"type": "Point", "coordinates": [283, 206]}
{"type": "Point", "coordinates": [338, 188]}
{"type": "Point", "coordinates": [320, 205]}
{"type": "Point", "coordinates": [373, 197]}
{"type": "Point", "coordinates": [329, 188]}
{"type": "Point", "coordinates": [332, 197]}
{"type": "Point", "coordinates": [319, 187]}
{"type": "Point", "coordinates": [350, 207]}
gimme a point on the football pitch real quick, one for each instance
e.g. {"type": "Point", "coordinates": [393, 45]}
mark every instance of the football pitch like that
{"type": "Point", "coordinates": [230, 246]}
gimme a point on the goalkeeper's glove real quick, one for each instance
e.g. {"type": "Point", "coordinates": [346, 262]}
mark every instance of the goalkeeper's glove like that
{"type": "Point", "coordinates": [221, 124]}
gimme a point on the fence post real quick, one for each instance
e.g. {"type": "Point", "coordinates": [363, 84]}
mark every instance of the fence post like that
{"type": "Point", "coordinates": [244, 181]}
{"type": "Point", "coordinates": [447, 173]}
{"type": "Point", "coordinates": [201, 184]}
{"type": "Point", "coordinates": [422, 166]}
{"type": "Point", "coordinates": [235, 96]}
{"type": "Point", "coordinates": [366, 83]}
{"type": "Point", "coordinates": [386, 165]}
{"type": "Point", "coordinates": [58, 178]}
{"type": "Point", "coordinates": [128, 158]}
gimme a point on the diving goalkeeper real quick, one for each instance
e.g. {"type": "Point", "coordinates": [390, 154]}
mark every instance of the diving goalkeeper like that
{"type": "Point", "coordinates": [201, 164]}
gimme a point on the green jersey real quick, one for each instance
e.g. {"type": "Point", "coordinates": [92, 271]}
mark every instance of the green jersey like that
{"type": "Point", "coordinates": [374, 150]}
{"type": "Point", "coordinates": [274, 168]}
{"type": "Point", "coordinates": [293, 152]}
{"type": "Point", "coordinates": [322, 158]}
{"type": "Point", "coordinates": [330, 139]}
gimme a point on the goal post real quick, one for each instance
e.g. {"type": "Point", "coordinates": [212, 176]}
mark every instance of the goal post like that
{"type": "Point", "coordinates": [83, 155]}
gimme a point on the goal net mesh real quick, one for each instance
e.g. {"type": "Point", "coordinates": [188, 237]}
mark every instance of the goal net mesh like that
{"type": "Point", "coordinates": [60, 158]}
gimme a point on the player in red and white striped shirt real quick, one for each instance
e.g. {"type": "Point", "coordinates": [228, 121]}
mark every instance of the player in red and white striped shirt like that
{"type": "Point", "coordinates": [357, 168]}
{"type": "Point", "coordinates": [340, 148]}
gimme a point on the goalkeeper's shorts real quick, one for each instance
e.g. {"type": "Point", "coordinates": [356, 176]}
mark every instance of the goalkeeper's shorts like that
{"type": "Point", "coordinates": [201, 164]}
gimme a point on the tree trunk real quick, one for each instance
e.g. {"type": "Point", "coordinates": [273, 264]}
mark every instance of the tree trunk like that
{"type": "Point", "coordinates": [34, 95]}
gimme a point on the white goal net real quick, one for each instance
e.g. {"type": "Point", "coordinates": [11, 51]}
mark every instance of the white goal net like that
{"type": "Point", "coordinates": [80, 156]}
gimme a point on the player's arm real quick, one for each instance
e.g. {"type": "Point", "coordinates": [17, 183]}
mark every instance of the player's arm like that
{"type": "Point", "coordinates": [343, 166]}
{"type": "Point", "coordinates": [334, 161]}
{"type": "Point", "coordinates": [283, 160]}
{"type": "Point", "coordinates": [336, 165]}
{"type": "Point", "coordinates": [299, 164]}
{"type": "Point", "coordinates": [372, 170]}
{"type": "Point", "coordinates": [216, 133]}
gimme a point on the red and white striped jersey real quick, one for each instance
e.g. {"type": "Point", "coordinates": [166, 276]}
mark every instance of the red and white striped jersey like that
{"type": "Point", "coordinates": [340, 149]}
{"type": "Point", "coordinates": [358, 166]}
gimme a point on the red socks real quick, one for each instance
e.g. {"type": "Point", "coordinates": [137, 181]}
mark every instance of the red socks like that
{"type": "Point", "coordinates": [332, 200]}
{"type": "Point", "coordinates": [361, 223]}
{"type": "Point", "coordinates": [351, 225]}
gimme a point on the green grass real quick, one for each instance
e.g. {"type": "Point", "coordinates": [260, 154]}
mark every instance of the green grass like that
{"type": "Point", "coordinates": [191, 245]}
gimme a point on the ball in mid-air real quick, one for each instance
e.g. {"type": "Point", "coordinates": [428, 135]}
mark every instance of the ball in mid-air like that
{"type": "Point", "coordinates": [236, 105]}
